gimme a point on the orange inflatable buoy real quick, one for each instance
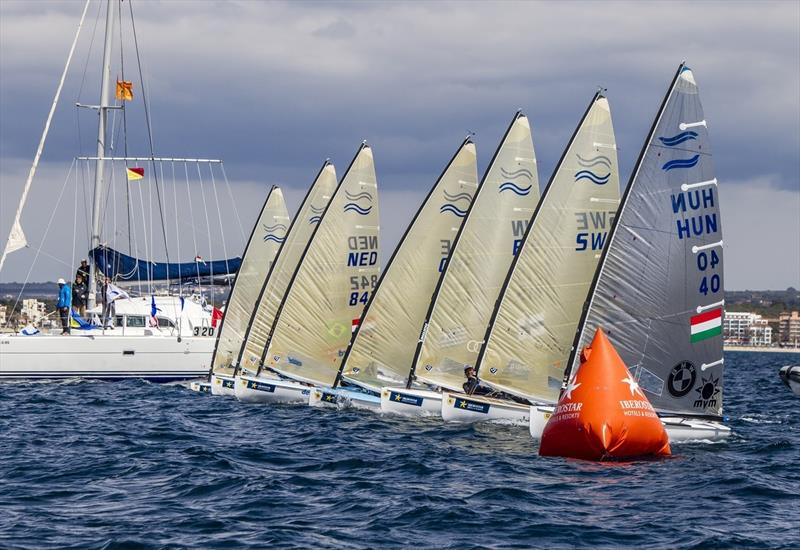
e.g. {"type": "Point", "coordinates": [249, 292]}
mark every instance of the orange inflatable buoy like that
{"type": "Point", "coordinates": [602, 413]}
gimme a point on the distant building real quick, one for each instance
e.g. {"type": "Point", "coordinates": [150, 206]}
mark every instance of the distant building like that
{"type": "Point", "coordinates": [3, 319]}
{"type": "Point", "coordinates": [33, 310]}
{"type": "Point", "coordinates": [789, 329]}
{"type": "Point", "coordinates": [746, 329]}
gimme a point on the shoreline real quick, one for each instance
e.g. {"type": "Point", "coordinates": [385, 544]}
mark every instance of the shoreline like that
{"type": "Point", "coordinates": [753, 349]}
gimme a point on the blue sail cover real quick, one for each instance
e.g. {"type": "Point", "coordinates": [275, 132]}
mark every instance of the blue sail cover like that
{"type": "Point", "coordinates": [122, 267]}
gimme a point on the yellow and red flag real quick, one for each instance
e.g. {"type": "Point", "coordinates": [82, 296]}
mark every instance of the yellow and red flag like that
{"type": "Point", "coordinates": [124, 90]}
{"type": "Point", "coordinates": [135, 173]}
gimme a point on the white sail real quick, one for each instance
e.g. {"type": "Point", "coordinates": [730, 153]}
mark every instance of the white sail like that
{"type": "Point", "coordinates": [384, 345]}
{"type": "Point", "coordinates": [528, 343]}
{"type": "Point", "coordinates": [274, 288]}
{"type": "Point", "coordinates": [481, 257]}
{"type": "Point", "coordinates": [334, 280]}
{"type": "Point", "coordinates": [265, 241]}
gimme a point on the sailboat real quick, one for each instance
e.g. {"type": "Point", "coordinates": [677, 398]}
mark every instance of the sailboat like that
{"type": "Point", "coordinates": [266, 239]}
{"type": "Point", "coordinates": [658, 290]}
{"type": "Point", "coordinates": [155, 337]}
{"type": "Point", "coordinates": [383, 345]}
{"type": "Point", "coordinates": [529, 334]}
{"type": "Point", "coordinates": [326, 295]}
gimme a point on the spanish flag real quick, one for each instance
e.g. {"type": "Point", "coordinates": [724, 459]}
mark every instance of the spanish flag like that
{"type": "Point", "coordinates": [124, 90]}
{"type": "Point", "coordinates": [135, 173]}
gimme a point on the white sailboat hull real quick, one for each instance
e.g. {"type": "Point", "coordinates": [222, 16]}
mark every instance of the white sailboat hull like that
{"type": "Point", "coordinates": [104, 357]}
{"type": "Point", "coordinates": [222, 385]}
{"type": "Point", "coordinates": [679, 429]}
{"type": "Point", "coordinates": [459, 407]}
{"type": "Point", "coordinates": [411, 402]}
{"type": "Point", "coordinates": [250, 389]}
{"type": "Point", "coordinates": [343, 398]}
{"type": "Point", "coordinates": [200, 386]}
{"type": "Point", "coordinates": [791, 377]}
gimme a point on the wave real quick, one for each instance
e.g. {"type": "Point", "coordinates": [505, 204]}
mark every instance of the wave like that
{"type": "Point", "coordinates": [275, 227]}
{"type": "Point", "coordinates": [353, 207]}
{"type": "Point", "coordinates": [273, 238]}
{"type": "Point", "coordinates": [681, 163]}
{"type": "Point", "coordinates": [314, 219]}
{"type": "Point", "coordinates": [678, 139]}
{"type": "Point", "coordinates": [508, 186]}
{"type": "Point", "coordinates": [316, 210]}
{"type": "Point", "coordinates": [457, 197]}
{"type": "Point", "coordinates": [599, 159]}
{"type": "Point", "coordinates": [355, 197]}
{"type": "Point", "coordinates": [516, 173]}
{"type": "Point", "coordinates": [453, 209]}
{"type": "Point", "coordinates": [591, 176]}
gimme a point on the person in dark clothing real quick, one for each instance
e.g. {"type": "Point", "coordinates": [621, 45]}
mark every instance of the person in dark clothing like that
{"type": "Point", "coordinates": [64, 304]}
{"type": "Point", "coordinates": [83, 271]}
{"type": "Point", "coordinates": [473, 386]}
{"type": "Point", "coordinates": [79, 296]}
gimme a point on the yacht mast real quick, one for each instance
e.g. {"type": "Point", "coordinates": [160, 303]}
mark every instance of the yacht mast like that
{"type": "Point", "coordinates": [101, 148]}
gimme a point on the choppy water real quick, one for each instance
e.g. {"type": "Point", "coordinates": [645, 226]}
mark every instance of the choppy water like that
{"type": "Point", "coordinates": [135, 465]}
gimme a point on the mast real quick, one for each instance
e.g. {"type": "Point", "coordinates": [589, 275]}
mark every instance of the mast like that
{"type": "Point", "coordinates": [101, 149]}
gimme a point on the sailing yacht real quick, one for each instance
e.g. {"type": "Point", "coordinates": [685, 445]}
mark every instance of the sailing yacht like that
{"type": "Point", "coordinates": [658, 289]}
{"type": "Point", "coordinates": [156, 337]}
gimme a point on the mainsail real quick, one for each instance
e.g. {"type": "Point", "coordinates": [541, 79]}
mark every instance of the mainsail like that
{"type": "Point", "coordinates": [333, 281]}
{"type": "Point", "coordinates": [274, 288]}
{"type": "Point", "coordinates": [528, 342]}
{"type": "Point", "coordinates": [482, 254]}
{"type": "Point", "coordinates": [384, 344]}
{"type": "Point", "coordinates": [265, 241]}
{"type": "Point", "coordinates": [658, 292]}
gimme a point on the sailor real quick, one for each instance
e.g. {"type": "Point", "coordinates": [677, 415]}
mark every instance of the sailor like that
{"type": "Point", "coordinates": [64, 304]}
{"type": "Point", "coordinates": [473, 386]}
{"type": "Point", "coordinates": [79, 296]}
{"type": "Point", "coordinates": [108, 303]}
{"type": "Point", "coordinates": [83, 270]}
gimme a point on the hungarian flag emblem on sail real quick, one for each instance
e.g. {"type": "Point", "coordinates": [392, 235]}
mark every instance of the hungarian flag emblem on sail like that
{"type": "Point", "coordinates": [707, 324]}
{"type": "Point", "coordinates": [355, 324]}
{"type": "Point", "coordinates": [124, 90]}
{"type": "Point", "coordinates": [135, 173]}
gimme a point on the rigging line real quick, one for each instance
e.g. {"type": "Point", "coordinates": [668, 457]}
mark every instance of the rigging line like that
{"type": "Point", "coordinates": [74, 228]}
{"type": "Point", "coordinates": [144, 233]}
{"type": "Point", "coordinates": [161, 170]}
{"type": "Point", "coordinates": [83, 79]}
{"type": "Point", "coordinates": [125, 137]}
{"type": "Point", "coordinates": [208, 224]}
{"type": "Point", "coordinates": [149, 259]}
{"type": "Point", "coordinates": [44, 237]}
{"type": "Point", "coordinates": [191, 216]}
{"type": "Point", "coordinates": [149, 127]}
{"type": "Point", "coordinates": [233, 202]}
{"type": "Point", "coordinates": [40, 148]}
{"type": "Point", "coordinates": [177, 229]}
{"type": "Point", "coordinates": [219, 217]}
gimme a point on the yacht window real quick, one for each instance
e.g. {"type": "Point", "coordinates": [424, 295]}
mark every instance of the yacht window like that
{"type": "Point", "coordinates": [165, 323]}
{"type": "Point", "coordinates": [136, 321]}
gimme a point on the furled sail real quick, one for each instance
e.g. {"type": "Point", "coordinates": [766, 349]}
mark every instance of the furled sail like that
{"type": "Point", "coordinates": [384, 344]}
{"type": "Point", "coordinates": [482, 253]}
{"type": "Point", "coordinates": [274, 288]}
{"type": "Point", "coordinates": [266, 238]}
{"type": "Point", "coordinates": [122, 267]}
{"type": "Point", "coordinates": [658, 292]}
{"type": "Point", "coordinates": [528, 342]}
{"type": "Point", "coordinates": [333, 281]}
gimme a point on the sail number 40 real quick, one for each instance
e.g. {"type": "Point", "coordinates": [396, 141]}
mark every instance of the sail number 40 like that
{"type": "Point", "coordinates": [705, 261]}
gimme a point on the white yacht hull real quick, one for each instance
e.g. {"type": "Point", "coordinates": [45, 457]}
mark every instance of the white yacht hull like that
{"type": "Point", "coordinates": [679, 429]}
{"type": "Point", "coordinates": [104, 357]}
{"type": "Point", "coordinates": [458, 407]}
{"type": "Point", "coordinates": [343, 398]}
{"type": "Point", "coordinates": [222, 385]}
{"type": "Point", "coordinates": [250, 389]}
{"type": "Point", "coordinates": [411, 402]}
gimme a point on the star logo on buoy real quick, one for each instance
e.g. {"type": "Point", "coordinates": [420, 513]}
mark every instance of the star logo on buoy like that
{"type": "Point", "coordinates": [633, 385]}
{"type": "Point", "coordinates": [568, 390]}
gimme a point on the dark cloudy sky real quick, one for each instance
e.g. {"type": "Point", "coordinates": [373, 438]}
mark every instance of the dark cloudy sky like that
{"type": "Point", "coordinates": [275, 88]}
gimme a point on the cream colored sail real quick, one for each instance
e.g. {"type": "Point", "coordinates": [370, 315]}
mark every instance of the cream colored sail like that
{"type": "Point", "coordinates": [334, 280]}
{"type": "Point", "coordinates": [265, 240]}
{"type": "Point", "coordinates": [528, 344]}
{"type": "Point", "coordinates": [383, 348]}
{"type": "Point", "coordinates": [481, 258]}
{"type": "Point", "coordinates": [303, 226]}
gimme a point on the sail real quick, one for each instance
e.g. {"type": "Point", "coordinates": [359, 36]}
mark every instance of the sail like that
{"type": "Point", "coordinates": [528, 343]}
{"type": "Point", "coordinates": [274, 288]}
{"type": "Point", "coordinates": [658, 292]}
{"type": "Point", "coordinates": [384, 345]}
{"type": "Point", "coordinates": [265, 240]}
{"type": "Point", "coordinates": [481, 257]}
{"type": "Point", "coordinates": [121, 267]}
{"type": "Point", "coordinates": [336, 275]}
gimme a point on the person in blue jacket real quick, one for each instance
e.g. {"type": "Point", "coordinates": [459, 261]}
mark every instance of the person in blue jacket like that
{"type": "Point", "coordinates": [64, 305]}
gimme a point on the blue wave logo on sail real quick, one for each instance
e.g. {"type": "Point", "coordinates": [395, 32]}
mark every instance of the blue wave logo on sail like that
{"type": "Point", "coordinates": [514, 174]}
{"type": "Point", "coordinates": [591, 176]}
{"type": "Point", "coordinates": [274, 238]}
{"type": "Point", "coordinates": [293, 361]}
{"type": "Point", "coordinates": [358, 196]}
{"type": "Point", "coordinates": [317, 210]}
{"type": "Point", "coordinates": [353, 207]}
{"type": "Point", "coordinates": [678, 139]}
{"type": "Point", "coordinates": [509, 186]}
{"type": "Point", "coordinates": [453, 209]}
{"type": "Point", "coordinates": [455, 197]}
{"type": "Point", "coordinates": [275, 227]}
{"type": "Point", "coordinates": [314, 219]}
{"type": "Point", "coordinates": [681, 163]}
{"type": "Point", "coordinates": [270, 229]}
{"type": "Point", "coordinates": [594, 161]}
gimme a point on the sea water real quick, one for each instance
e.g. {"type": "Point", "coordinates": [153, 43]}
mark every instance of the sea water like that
{"type": "Point", "coordinates": [138, 465]}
